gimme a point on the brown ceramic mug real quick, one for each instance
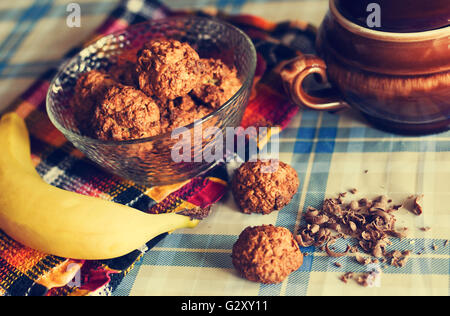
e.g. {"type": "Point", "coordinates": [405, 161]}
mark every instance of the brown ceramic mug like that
{"type": "Point", "coordinates": [400, 81]}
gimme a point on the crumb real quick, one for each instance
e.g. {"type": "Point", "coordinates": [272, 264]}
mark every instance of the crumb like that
{"type": "Point", "coordinates": [348, 276]}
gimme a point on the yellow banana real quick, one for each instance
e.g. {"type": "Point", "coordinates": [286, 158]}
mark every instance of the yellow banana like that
{"type": "Point", "coordinates": [64, 223]}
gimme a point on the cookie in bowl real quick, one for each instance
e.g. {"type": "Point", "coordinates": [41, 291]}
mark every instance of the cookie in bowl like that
{"type": "Point", "coordinates": [150, 91]}
{"type": "Point", "coordinates": [126, 113]}
{"type": "Point", "coordinates": [168, 69]}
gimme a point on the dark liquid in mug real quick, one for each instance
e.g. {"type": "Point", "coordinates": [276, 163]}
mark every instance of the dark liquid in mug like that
{"type": "Point", "coordinates": [399, 15]}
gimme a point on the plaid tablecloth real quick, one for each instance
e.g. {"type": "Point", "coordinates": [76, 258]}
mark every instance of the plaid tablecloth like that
{"type": "Point", "coordinates": [331, 152]}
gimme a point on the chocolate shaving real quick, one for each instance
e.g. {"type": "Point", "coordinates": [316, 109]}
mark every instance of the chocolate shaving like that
{"type": "Point", "coordinates": [370, 222]}
{"type": "Point", "coordinates": [418, 209]}
{"type": "Point", "coordinates": [381, 202]}
{"type": "Point", "coordinates": [414, 204]}
{"type": "Point", "coordinates": [303, 243]}
{"type": "Point", "coordinates": [363, 279]}
{"type": "Point", "coordinates": [399, 259]}
{"type": "Point", "coordinates": [335, 254]}
{"type": "Point", "coordinates": [378, 249]}
{"type": "Point", "coordinates": [347, 276]}
{"type": "Point", "coordinates": [398, 234]}
{"type": "Point", "coordinates": [362, 260]}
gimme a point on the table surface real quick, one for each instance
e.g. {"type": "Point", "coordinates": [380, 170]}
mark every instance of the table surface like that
{"type": "Point", "coordinates": [330, 153]}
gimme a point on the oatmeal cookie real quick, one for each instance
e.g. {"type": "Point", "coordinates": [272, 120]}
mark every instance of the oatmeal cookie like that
{"type": "Point", "coordinates": [266, 254]}
{"type": "Point", "coordinates": [256, 190]}
{"type": "Point", "coordinates": [218, 83]}
{"type": "Point", "coordinates": [89, 91]}
{"type": "Point", "coordinates": [181, 112]}
{"type": "Point", "coordinates": [168, 69]}
{"type": "Point", "coordinates": [126, 113]}
{"type": "Point", "coordinates": [124, 70]}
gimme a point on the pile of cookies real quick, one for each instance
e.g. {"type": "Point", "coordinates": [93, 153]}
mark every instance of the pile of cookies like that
{"type": "Point", "coordinates": [150, 91]}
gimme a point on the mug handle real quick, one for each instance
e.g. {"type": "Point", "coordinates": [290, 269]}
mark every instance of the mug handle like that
{"type": "Point", "coordinates": [294, 71]}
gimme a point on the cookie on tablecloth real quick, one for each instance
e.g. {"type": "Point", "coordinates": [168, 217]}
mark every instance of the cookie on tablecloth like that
{"type": "Point", "coordinates": [266, 254]}
{"type": "Point", "coordinates": [263, 186]}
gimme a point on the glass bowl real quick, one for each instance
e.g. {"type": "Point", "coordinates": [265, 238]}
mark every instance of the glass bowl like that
{"type": "Point", "coordinates": [155, 160]}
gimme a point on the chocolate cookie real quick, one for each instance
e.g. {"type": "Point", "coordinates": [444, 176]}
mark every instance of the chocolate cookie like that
{"type": "Point", "coordinates": [89, 91]}
{"type": "Point", "coordinates": [124, 70]}
{"type": "Point", "coordinates": [180, 112]}
{"type": "Point", "coordinates": [266, 254]}
{"type": "Point", "coordinates": [218, 83]}
{"type": "Point", "coordinates": [259, 188]}
{"type": "Point", "coordinates": [126, 113]}
{"type": "Point", "coordinates": [168, 69]}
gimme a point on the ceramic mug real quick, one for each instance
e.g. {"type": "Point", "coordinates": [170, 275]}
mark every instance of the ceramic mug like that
{"type": "Point", "coordinates": [400, 81]}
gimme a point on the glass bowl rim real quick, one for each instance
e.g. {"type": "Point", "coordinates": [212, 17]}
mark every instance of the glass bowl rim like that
{"type": "Point", "coordinates": [249, 76]}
